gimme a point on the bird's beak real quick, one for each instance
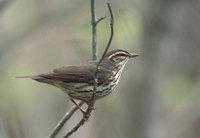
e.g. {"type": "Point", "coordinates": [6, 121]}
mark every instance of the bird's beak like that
{"type": "Point", "coordinates": [133, 55]}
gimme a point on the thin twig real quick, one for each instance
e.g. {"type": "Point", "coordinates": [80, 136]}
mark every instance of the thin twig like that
{"type": "Point", "coordinates": [111, 34]}
{"type": "Point", "coordinates": [94, 23]}
{"type": "Point", "coordinates": [94, 30]}
{"type": "Point", "coordinates": [100, 19]}
{"type": "Point", "coordinates": [89, 109]}
{"type": "Point", "coordinates": [65, 118]}
{"type": "Point", "coordinates": [97, 67]}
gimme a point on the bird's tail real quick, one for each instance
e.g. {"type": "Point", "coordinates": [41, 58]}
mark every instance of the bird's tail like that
{"type": "Point", "coordinates": [37, 78]}
{"type": "Point", "coordinates": [29, 77]}
{"type": "Point", "coordinates": [34, 77]}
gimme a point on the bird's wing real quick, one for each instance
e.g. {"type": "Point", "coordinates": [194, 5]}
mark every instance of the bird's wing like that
{"type": "Point", "coordinates": [83, 73]}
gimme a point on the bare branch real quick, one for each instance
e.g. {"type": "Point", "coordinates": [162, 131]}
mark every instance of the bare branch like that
{"type": "Point", "coordinates": [89, 109]}
{"type": "Point", "coordinates": [100, 19]}
{"type": "Point", "coordinates": [94, 30]}
{"type": "Point", "coordinates": [111, 34]}
{"type": "Point", "coordinates": [97, 67]}
{"type": "Point", "coordinates": [65, 118]}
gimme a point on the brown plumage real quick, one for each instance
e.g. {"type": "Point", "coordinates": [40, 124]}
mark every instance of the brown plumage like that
{"type": "Point", "coordinates": [77, 81]}
{"type": "Point", "coordinates": [82, 73]}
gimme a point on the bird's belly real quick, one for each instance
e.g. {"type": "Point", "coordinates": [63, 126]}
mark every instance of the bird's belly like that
{"type": "Point", "coordinates": [85, 92]}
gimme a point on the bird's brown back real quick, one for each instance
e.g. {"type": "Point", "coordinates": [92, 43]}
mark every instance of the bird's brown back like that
{"type": "Point", "coordinates": [81, 73]}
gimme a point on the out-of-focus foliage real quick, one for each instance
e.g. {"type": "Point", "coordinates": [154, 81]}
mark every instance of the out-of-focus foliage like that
{"type": "Point", "coordinates": [158, 95]}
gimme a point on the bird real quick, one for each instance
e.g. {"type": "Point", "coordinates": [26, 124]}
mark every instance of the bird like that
{"type": "Point", "coordinates": [78, 80]}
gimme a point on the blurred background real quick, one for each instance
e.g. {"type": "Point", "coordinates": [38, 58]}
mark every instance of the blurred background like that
{"type": "Point", "coordinates": [158, 95]}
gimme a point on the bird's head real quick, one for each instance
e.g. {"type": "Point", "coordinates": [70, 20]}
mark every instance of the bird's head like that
{"type": "Point", "coordinates": [118, 58]}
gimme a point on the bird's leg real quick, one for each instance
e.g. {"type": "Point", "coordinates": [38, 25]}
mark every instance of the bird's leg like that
{"type": "Point", "coordinates": [78, 106]}
{"type": "Point", "coordinates": [88, 103]}
{"type": "Point", "coordinates": [90, 106]}
{"type": "Point", "coordinates": [84, 116]}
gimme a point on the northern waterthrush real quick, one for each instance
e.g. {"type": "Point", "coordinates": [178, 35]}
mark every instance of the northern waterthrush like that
{"type": "Point", "coordinates": [78, 80]}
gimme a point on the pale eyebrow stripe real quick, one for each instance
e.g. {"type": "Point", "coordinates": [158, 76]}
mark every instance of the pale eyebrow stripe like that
{"type": "Point", "coordinates": [117, 54]}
